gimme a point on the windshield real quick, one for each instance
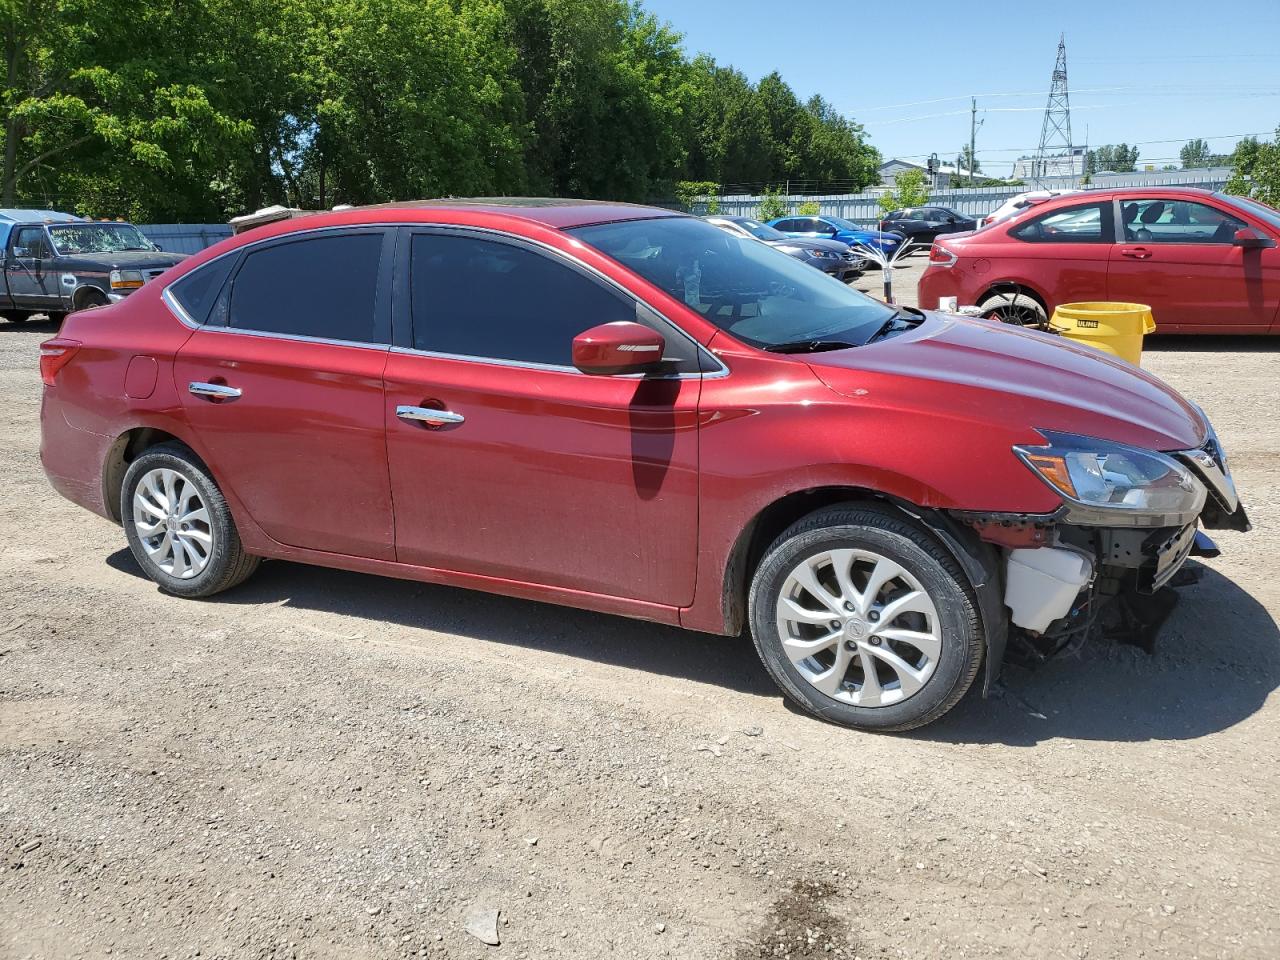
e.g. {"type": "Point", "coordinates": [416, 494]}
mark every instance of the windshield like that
{"type": "Point", "coordinates": [1260, 210]}
{"type": "Point", "coordinates": [758, 294]}
{"type": "Point", "coordinates": [98, 238]}
{"type": "Point", "coordinates": [844, 224]}
{"type": "Point", "coordinates": [761, 231]}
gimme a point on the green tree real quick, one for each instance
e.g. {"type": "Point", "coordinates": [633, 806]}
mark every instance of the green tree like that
{"type": "Point", "coordinates": [968, 161]}
{"type": "Point", "coordinates": [1256, 170]}
{"type": "Point", "coordinates": [1196, 153]}
{"type": "Point", "coordinates": [691, 193]}
{"type": "Point", "coordinates": [810, 208]}
{"type": "Point", "coordinates": [1119, 157]}
{"type": "Point", "coordinates": [772, 205]}
{"type": "Point", "coordinates": [909, 190]}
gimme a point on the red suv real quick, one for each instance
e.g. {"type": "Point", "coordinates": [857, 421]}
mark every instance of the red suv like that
{"type": "Point", "coordinates": [628, 410]}
{"type": "Point", "coordinates": [1205, 262]}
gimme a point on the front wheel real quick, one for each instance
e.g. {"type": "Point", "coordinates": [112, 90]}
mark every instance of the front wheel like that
{"type": "Point", "coordinates": [864, 619]}
{"type": "Point", "coordinates": [179, 526]}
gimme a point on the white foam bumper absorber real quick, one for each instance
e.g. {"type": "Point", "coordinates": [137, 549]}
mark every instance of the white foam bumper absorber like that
{"type": "Point", "coordinates": [1042, 584]}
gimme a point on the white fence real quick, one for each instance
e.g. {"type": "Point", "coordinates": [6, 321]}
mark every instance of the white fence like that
{"type": "Point", "coordinates": [974, 201]}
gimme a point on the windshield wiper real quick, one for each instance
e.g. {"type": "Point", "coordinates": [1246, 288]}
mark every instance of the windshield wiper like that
{"type": "Point", "coordinates": [810, 346]}
{"type": "Point", "coordinates": [908, 316]}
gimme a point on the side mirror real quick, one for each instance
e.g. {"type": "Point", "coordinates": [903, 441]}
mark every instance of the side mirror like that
{"type": "Point", "coordinates": [615, 348]}
{"type": "Point", "coordinates": [21, 252]}
{"type": "Point", "coordinates": [1251, 239]}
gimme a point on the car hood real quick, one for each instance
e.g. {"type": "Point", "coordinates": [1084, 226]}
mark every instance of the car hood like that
{"type": "Point", "coordinates": [831, 246]}
{"type": "Point", "coordinates": [122, 260]}
{"type": "Point", "coordinates": [1015, 379]}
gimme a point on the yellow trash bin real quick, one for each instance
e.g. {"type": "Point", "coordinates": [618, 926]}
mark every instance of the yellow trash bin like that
{"type": "Point", "coordinates": [1115, 328]}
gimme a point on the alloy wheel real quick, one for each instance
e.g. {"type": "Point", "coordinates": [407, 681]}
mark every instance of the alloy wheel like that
{"type": "Point", "coordinates": [858, 627]}
{"type": "Point", "coordinates": [172, 523]}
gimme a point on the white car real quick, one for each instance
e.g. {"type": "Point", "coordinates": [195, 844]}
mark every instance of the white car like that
{"type": "Point", "coordinates": [1019, 202]}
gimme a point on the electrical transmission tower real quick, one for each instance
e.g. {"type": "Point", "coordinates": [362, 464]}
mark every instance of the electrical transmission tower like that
{"type": "Point", "coordinates": [1055, 153]}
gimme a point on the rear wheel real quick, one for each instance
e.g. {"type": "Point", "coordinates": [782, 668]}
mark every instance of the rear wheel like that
{"type": "Point", "coordinates": [862, 618]}
{"type": "Point", "coordinates": [178, 524]}
{"type": "Point", "coordinates": [1016, 309]}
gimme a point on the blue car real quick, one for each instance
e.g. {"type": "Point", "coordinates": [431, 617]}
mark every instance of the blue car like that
{"type": "Point", "coordinates": [837, 228]}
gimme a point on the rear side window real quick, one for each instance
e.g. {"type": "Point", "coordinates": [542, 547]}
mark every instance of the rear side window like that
{"type": "Point", "coordinates": [198, 291]}
{"type": "Point", "coordinates": [498, 301]}
{"type": "Point", "coordinates": [318, 286]}
{"type": "Point", "coordinates": [1085, 223]}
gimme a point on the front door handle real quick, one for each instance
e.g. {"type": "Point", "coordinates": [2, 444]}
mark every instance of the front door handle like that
{"type": "Point", "coordinates": [431, 417]}
{"type": "Point", "coordinates": [214, 391]}
{"type": "Point", "coordinates": [1135, 253]}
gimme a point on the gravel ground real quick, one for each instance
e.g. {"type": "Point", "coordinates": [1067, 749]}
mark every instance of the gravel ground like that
{"type": "Point", "coordinates": [324, 764]}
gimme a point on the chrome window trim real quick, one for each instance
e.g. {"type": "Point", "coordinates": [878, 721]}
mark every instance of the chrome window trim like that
{"type": "Point", "coordinates": [723, 370]}
{"type": "Point", "coordinates": [176, 308]}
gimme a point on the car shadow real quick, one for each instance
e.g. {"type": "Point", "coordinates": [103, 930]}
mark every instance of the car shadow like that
{"type": "Point", "coordinates": [729, 662]}
{"type": "Point", "coordinates": [43, 325]}
{"type": "Point", "coordinates": [1243, 343]}
{"type": "Point", "coordinates": [1216, 662]}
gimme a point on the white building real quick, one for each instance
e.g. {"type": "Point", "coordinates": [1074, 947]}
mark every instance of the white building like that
{"type": "Point", "coordinates": [1067, 164]}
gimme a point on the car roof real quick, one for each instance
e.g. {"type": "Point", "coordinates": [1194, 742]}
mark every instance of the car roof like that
{"type": "Point", "coordinates": [20, 215]}
{"type": "Point", "coordinates": [1110, 193]}
{"type": "Point", "coordinates": [559, 214]}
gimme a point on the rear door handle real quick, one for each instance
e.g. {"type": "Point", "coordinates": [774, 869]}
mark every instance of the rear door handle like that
{"type": "Point", "coordinates": [431, 417]}
{"type": "Point", "coordinates": [1135, 253]}
{"type": "Point", "coordinates": [215, 391]}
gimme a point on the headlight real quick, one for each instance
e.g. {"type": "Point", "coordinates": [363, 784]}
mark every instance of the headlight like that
{"type": "Point", "coordinates": [1111, 484]}
{"type": "Point", "coordinates": [820, 253]}
{"type": "Point", "coordinates": [125, 279]}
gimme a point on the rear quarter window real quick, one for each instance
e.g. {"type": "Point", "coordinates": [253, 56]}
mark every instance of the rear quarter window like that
{"type": "Point", "coordinates": [198, 291]}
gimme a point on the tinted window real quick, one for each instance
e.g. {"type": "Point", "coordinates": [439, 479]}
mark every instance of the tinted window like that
{"type": "Point", "coordinates": [1087, 223]}
{"type": "Point", "coordinates": [199, 289]}
{"type": "Point", "coordinates": [499, 301]}
{"type": "Point", "coordinates": [898, 215]}
{"type": "Point", "coordinates": [1177, 221]}
{"type": "Point", "coordinates": [320, 286]}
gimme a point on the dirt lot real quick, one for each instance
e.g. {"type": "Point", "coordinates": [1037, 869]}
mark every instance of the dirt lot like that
{"type": "Point", "coordinates": [325, 764]}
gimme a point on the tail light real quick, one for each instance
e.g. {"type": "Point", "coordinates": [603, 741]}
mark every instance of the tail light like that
{"type": "Point", "coordinates": [54, 355]}
{"type": "Point", "coordinates": [942, 256]}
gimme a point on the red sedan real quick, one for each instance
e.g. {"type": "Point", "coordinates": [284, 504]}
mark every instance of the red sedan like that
{"type": "Point", "coordinates": [631, 411]}
{"type": "Point", "coordinates": [1205, 262]}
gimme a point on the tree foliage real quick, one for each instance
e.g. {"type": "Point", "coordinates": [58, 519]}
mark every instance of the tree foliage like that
{"type": "Point", "coordinates": [909, 190]}
{"type": "Point", "coordinates": [1116, 157]}
{"type": "Point", "coordinates": [1196, 154]}
{"type": "Point", "coordinates": [202, 109]}
{"type": "Point", "coordinates": [1256, 169]}
{"type": "Point", "coordinates": [772, 205]}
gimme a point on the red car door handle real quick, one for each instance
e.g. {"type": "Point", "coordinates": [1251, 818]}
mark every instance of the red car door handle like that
{"type": "Point", "coordinates": [1135, 253]}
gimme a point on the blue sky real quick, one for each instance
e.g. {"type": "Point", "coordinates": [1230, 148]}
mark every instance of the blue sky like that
{"type": "Point", "coordinates": [1145, 71]}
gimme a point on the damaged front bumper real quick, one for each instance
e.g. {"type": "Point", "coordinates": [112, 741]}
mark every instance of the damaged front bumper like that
{"type": "Point", "coordinates": [1069, 575]}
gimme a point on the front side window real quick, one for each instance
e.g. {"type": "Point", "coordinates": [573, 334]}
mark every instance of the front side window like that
{"type": "Point", "coordinates": [1085, 223]}
{"type": "Point", "coordinates": [1177, 221]}
{"type": "Point", "coordinates": [319, 286]}
{"type": "Point", "coordinates": [88, 238]}
{"type": "Point", "coordinates": [487, 300]}
{"type": "Point", "coordinates": [32, 240]}
{"type": "Point", "coordinates": [760, 295]}
{"type": "Point", "coordinates": [898, 215]}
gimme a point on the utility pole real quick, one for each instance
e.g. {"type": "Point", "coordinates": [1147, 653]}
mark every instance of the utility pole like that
{"type": "Point", "coordinates": [973, 135]}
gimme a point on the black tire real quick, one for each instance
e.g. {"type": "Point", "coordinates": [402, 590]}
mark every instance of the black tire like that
{"type": "Point", "coordinates": [91, 298]}
{"type": "Point", "coordinates": [228, 565]}
{"type": "Point", "coordinates": [1015, 309]}
{"type": "Point", "coordinates": [889, 534]}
